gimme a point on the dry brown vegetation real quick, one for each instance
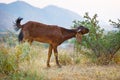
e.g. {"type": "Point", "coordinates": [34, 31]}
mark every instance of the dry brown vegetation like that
{"type": "Point", "coordinates": [72, 71]}
{"type": "Point", "coordinates": [33, 66]}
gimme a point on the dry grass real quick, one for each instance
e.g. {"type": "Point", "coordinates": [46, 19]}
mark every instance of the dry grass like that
{"type": "Point", "coordinates": [77, 72]}
{"type": "Point", "coordinates": [71, 71]}
{"type": "Point", "coordinates": [84, 73]}
{"type": "Point", "coordinates": [36, 64]}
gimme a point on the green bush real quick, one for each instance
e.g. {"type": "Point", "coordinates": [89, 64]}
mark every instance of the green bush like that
{"type": "Point", "coordinates": [103, 46]}
{"type": "Point", "coordinates": [7, 61]}
{"type": "Point", "coordinates": [11, 57]}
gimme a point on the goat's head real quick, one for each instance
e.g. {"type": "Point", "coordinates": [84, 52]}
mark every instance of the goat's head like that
{"type": "Point", "coordinates": [81, 30]}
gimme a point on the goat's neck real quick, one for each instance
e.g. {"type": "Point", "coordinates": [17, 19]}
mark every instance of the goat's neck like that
{"type": "Point", "coordinates": [68, 33]}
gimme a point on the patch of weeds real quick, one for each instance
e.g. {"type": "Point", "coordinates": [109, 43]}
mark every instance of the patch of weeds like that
{"type": "Point", "coordinates": [65, 59]}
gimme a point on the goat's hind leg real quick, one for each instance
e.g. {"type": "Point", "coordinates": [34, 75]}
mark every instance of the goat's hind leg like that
{"type": "Point", "coordinates": [56, 57]}
{"type": "Point", "coordinates": [49, 55]}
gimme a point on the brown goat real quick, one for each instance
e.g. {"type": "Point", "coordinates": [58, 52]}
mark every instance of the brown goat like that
{"type": "Point", "coordinates": [51, 34]}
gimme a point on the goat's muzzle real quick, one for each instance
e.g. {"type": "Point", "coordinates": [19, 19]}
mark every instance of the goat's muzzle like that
{"type": "Point", "coordinates": [85, 31]}
{"type": "Point", "coordinates": [80, 34]}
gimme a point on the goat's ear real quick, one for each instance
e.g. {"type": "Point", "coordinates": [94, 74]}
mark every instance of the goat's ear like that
{"type": "Point", "coordinates": [78, 30]}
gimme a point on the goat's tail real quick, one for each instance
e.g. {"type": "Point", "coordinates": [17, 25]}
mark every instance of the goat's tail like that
{"type": "Point", "coordinates": [17, 24]}
{"type": "Point", "coordinates": [20, 36]}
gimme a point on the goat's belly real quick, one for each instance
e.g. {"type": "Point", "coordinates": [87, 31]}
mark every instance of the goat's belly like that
{"type": "Point", "coordinates": [47, 40]}
{"type": "Point", "coordinates": [43, 40]}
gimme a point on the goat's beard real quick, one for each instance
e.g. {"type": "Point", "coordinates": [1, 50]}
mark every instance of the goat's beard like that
{"type": "Point", "coordinates": [78, 37]}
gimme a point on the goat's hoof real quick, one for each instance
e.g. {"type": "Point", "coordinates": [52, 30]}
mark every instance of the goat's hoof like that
{"type": "Point", "coordinates": [48, 66]}
{"type": "Point", "coordinates": [59, 66]}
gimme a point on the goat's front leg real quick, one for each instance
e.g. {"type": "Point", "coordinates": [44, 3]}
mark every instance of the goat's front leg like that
{"type": "Point", "coordinates": [49, 55]}
{"type": "Point", "coordinates": [56, 56]}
